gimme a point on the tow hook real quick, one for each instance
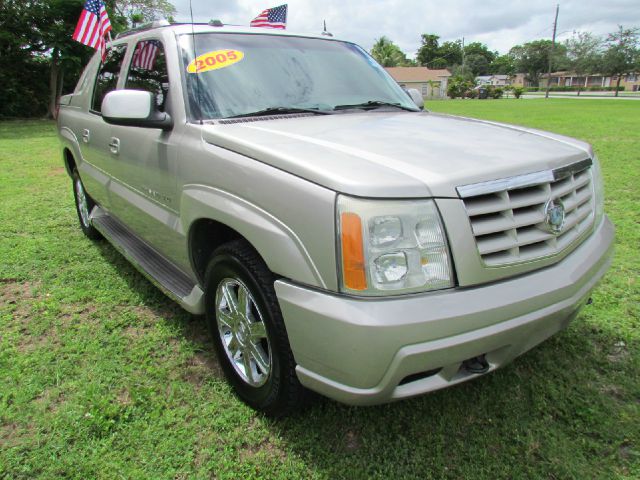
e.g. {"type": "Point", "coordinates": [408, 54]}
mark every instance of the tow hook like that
{"type": "Point", "coordinates": [476, 365]}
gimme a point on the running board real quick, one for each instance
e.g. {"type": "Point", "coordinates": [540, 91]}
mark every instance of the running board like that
{"type": "Point", "coordinates": [161, 272]}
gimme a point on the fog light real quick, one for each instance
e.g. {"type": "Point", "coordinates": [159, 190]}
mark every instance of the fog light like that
{"type": "Point", "coordinates": [391, 267]}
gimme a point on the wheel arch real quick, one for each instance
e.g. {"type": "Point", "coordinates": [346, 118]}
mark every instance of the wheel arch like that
{"type": "Point", "coordinates": [69, 161]}
{"type": "Point", "coordinates": [212, 217]}
{"type": "Point", "coordinates": [70, 149]}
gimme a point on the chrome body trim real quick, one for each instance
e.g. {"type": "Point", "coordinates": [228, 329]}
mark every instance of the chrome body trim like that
{"type": "Point", "coordinates": [521, 181]}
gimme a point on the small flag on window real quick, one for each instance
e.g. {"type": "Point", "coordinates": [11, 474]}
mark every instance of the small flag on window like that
{"type": "Point", "coordinates": [145, 55]}
{"type": "Point", "coordinates": [275, 17]}
{"type": "Point", "coordinates": [93, 25]}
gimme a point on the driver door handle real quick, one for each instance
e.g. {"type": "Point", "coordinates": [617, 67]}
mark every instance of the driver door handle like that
{"type": "Point", "coordinates": [114, 145]}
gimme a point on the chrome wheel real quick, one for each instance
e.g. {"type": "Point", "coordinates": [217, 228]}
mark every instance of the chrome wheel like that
{"type": "Point", "coordinates": [243, 332]}
{"type": "Point", "coordinates": [83, 204]}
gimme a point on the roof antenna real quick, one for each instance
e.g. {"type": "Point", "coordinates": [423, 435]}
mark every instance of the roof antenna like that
{"type": "Point", "coordinates": [195, 56]}
{"type": "Point", "coordinates": [324, 32]}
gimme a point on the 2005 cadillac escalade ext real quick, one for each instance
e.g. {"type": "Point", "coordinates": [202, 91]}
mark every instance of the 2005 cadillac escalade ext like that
{"type": "Point", "coordinates": [336, 237]}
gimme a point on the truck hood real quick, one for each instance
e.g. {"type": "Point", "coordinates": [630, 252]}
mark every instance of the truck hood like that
{"type": "Point", "coordinates": [398, 154]}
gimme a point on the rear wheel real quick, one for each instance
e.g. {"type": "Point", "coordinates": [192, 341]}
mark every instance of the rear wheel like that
{"type": "Point", "coordinates": [84, 205]}
{"type": "Point", "coordinates": [248, 330]}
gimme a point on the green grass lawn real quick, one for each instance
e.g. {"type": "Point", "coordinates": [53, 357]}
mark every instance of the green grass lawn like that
{"type": "Point", "coordinates": [101, 376]}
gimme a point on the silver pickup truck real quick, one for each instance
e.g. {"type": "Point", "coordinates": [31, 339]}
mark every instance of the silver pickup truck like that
{"type": "Point", "coordinates": [337, 237]}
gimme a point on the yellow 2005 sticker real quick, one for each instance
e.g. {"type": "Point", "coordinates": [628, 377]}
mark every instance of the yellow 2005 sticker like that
{"type": "Point", "coordinates": [215, 60]}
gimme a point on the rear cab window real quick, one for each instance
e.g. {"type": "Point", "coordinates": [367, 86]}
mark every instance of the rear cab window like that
{"type": "Point", "coordinates": [148, 71]}
{"type": "Point", "coordinates": [108, 75]}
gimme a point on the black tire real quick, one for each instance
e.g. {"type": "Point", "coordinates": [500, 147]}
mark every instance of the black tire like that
{"type": "Point", "coordinates": [84, 205]}
{"type": "Point", "coordinates": [237, 265]}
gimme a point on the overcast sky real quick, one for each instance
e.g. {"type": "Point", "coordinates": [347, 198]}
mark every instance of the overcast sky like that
{"type": "Point", "coordinates": [498, 23]}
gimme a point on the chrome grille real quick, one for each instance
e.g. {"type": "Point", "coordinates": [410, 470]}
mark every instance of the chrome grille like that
{"type": "Point", "coordinates": [508, 216]}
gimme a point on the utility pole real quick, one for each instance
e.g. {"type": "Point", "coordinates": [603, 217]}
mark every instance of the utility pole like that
{"type": "Point", "coordinates": [463, 70]}
{"type": "Point", "coordinates": [553, 47]}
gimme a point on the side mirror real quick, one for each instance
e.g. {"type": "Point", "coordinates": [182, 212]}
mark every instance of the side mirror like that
{"type": "Point", "coordinates": [416, 96]}
{"type": "Point", "coordinates": [134, 108]}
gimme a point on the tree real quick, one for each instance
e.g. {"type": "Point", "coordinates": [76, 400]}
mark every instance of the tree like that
{"type": "Point", "coordinates": [451, 53]}
{"type": "Point", "coordinates": [36, 43]}
{"type": "Point", "coordinates": [138, 11]}
{"type": "Point", "coordinates": [621, 55]}
{"type": "Point", "coordinates": [583, 53]}
{"type": "Point", "coordinates": [388, 54]}
{"type": "Point", "coordinates": [533, 58]}
{"type": "Point", "coordinates": [477, 64]}
{"type": "Point", "coordinates": [22, 72]}
{"type": "Point", "coordinates": [433, 84]}
{"type": "Point", "coordinates": [428, 51]}
{"type": "Point", "coordinates": [478, 58]}
{"type": "Point", "coordinates": [503, 65]}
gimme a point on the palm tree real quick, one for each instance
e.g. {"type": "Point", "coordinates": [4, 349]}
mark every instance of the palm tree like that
{"type": "Point", "coordinates": [387, 53]}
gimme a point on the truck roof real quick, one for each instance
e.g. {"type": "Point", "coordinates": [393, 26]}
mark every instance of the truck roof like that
{"type": "Point", "coordinates": [187, 28]}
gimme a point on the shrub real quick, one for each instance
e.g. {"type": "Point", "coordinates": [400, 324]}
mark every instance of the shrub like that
{"type": "Point", "coordinates": [518, 91]}
{"type": "Point", "coordinates": [497, 92]}
{"type": "Point", "coordinates": [458, 87]}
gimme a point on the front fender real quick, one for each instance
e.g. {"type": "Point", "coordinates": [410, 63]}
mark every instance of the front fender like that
{"type": "Point", "coordinates": [279, 246]}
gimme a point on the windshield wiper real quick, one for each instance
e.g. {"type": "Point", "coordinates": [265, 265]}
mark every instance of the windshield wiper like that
{"type": "Point", "coordinates": [281, 111]}
{"type": "Point", "coordinates": [371, 104]}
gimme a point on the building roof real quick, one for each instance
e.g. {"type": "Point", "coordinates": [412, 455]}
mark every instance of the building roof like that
{"type": "Point", "coordinates": [417, 74]}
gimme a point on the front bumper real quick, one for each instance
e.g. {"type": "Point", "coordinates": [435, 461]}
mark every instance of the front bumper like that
{"type": "Point", "coordinates": [368, 351]}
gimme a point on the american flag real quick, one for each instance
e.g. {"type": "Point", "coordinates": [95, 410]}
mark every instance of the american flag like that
{"type": "Point", "coordinates": [93, 25]}
{"type": "Point", "coordinates": [275, 17]}
{"type": "Point", "coordinates": [145, 55]}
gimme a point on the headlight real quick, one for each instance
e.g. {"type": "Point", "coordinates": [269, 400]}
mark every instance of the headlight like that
{"type": "Point", "coordinates": [598, 190]}
{"type": "Point", "coordinates": [390, 247]}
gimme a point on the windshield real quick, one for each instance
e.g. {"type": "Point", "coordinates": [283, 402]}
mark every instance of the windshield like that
{"type": "Point", "coordinates": [238, 74]}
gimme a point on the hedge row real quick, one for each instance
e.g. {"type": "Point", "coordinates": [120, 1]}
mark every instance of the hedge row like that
{"type": "Point", "coordinates": [575, 89]}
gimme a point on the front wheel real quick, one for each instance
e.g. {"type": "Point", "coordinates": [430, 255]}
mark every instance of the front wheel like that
{"type": "Point", "coordinates": [84, 205]}
{"type": "Point", "coordinates": [248, 330]}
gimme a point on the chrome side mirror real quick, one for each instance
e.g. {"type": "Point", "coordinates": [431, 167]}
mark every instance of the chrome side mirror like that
{"type": "Point", "coordinates": [416, 96]}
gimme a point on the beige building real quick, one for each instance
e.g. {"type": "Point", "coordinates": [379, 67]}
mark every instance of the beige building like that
{"type": "Point", "coordinates": [494, 80]}
{"type": "Point", "coordinates": [519, 80]}
{"type": "Point", "coordinates": [431, 83]}
{"type": "Point", "coordinates": [630, 82]}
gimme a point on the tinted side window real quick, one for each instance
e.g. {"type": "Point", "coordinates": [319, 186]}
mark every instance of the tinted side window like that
{"type": "Point", "coordinates": [148, 71]}
{"type": "Point", "coordinates": [108, 75]}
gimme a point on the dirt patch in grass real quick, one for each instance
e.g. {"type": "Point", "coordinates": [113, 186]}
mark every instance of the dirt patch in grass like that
{"type": "Point", "coordinates": [267, 448]}
{"type": "Point", "coordinates": [201, 367]}
{"type": "Point", "coordinates": [8, 433]}
{"type": "Point", "coordinates": [613, 391]}
{"type": "Point", "coordinates": [123, 397]}
{"type": "Point", "coordinates": [14, 292]}
{"type": "Point", "coordinates": [25, 302]}
{"type": "Point", "coordinates": [57, 171]}
{"type": "Point", "coordinates": [13, 434]}
{"type": "Point", "coordinates": [619, 353]}
{"type": "Point", "coordinates": [352, 441]}
{"type": "Point", "coordinates": [50, 400]}
{"type": "Point", "coordinates": [83, 310]}
{"type": "Point", "coordinates": [19, 298]}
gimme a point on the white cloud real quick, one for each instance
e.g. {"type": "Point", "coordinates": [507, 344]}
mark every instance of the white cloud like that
{"type": "Point", "coordinates": [498, 23]}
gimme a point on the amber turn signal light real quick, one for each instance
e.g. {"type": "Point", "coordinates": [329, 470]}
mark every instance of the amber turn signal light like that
{"type": "Point", "coordinates": [352, 252]}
